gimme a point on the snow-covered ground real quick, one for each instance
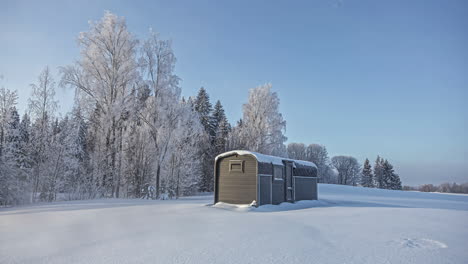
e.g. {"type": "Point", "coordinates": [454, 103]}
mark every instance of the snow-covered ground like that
{"type": "Point", "coordinates": [347, 225]}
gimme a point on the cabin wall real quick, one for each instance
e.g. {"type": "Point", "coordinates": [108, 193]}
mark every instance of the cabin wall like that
{"type": "Point", "coordinates": [265, 189]}
{"type": "Point", "coordinates": [278, 192]}
{"type": "Point", "coordinates": [236, 187]}
{"type": "Point", "coordinates": [305, 188]}
{"type": "Point", "coordinates": [265, 168]}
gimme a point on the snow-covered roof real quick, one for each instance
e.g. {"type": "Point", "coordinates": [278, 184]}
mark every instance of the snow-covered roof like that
{"type": "Point", "coordinates": [265, 158]}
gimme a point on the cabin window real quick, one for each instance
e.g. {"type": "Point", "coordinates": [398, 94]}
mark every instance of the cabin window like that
{"type": "Point", "coordinates": [236, 166]}
{"type": "Point", "coordinates": [278, 172]}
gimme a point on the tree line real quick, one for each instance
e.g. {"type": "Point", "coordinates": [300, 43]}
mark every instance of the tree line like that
{"type": "Point", "coordinates": [131, 134]}
{"type": "Point", "coordinates": [347, 170]}
{"type": "Point", "coordinates": [444, 188]}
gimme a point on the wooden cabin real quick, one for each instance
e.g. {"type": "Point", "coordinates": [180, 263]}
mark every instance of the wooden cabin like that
{"type": "Point", "coordinates": [245, 177]}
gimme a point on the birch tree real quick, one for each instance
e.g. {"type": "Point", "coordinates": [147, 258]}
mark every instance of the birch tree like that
{"type": "Point", "coordinates": [105, 75]}
{"type": "Point", "coordinates": [42, 107]}
{"type": "Point", "coordinates": [263, 125]}
{"type": "Point", "coordinates": [161, 115]}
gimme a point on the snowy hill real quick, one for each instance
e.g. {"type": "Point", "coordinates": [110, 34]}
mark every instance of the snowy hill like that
{"type": "Point", "coordinates": [347, 225]}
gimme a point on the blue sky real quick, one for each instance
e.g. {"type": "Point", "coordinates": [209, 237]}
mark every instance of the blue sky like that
{"type": "Point", "coordinates": [361, 77]}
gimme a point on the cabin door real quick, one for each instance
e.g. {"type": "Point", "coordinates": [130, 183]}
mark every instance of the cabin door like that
{"type": "Point", "coordinates": [289, 182]}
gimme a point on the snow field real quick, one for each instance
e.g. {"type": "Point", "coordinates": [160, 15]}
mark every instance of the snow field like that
{"type": "Point", "coordinates": [347, 225]}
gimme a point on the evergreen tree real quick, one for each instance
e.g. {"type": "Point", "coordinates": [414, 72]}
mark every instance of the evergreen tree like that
{"type": "Point", "coordinates": [13, 138]}
{"type": "Point", "coordinates": [203, 107]}
{"type": "Point", "coordinates": [378, 173]}
{"type": "Point", "coordinates": [12, 176]}
{"type": "Point", "coordinates": [391, 180]}
{"type": "Point", "coordinates": [396, 182]}
{"type": "Point", "coordinates": [387, 171]}
{"type": "Point", "coordinates": [218, 115]}
{"type": "Point", "coordinates": [76, 185]}
{"type": "Point", "coordinates": [367, 178]}
{"type": "Point", "coordinates": [221, 127]}
{"type": "Point", "coordinates": [25, 134]}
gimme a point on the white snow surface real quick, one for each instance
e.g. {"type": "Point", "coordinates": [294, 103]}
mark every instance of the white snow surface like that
{"type": "Point", "coordinates": [264, 158]}
{"type": "Point", "coordinates": [346, 225]}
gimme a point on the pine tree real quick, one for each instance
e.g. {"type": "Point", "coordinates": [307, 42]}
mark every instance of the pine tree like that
{"type": "Point", "coordinates": [367, 178]}
{"type": "Point", "coordinates": [221, 127]}
{"type": "Point", "coordinates": [390, 178]}
{"type": "Point", "coordinates": [13, 138]}
{"type": "Point", "coordinates": [378, 177]}
{"type": "Point", "coordinates": [25, 133]}
{"type": "Point", "coordinates": [387, 172]}
{"type": "Point", "coordinates": [76, 184]}
{"type": "Point", "coordinates": [12, 176]}
{"type": "Point", "coordinates": [218, 115]}
{"type": "Point", "coordinates": [204, 108]}
{"type": "Point", "coordinates": [396, 182]}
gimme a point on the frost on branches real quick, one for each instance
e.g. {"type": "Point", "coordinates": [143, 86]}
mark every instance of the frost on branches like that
{"type": "Point", "coordinates": [262, 126]}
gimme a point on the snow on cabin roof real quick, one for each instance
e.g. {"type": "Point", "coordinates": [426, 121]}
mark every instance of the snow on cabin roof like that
{"type": "Point", "coordinates": [265, 158]}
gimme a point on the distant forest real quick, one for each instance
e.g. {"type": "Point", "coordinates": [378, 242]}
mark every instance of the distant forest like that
{"type": "Point", "coordinates": [132, 135]}
{"type": "Point", "coordinates": [444, 188]}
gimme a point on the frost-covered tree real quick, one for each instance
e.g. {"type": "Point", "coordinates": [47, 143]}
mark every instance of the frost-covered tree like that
{"type": "Point", "coordinates": [25, 133]}
{"type": "Point", "coordinates": [221, 127]}
{"type": "Point", "coordinates": [378, 173]}
{"type": "Point", "coordinates": [184, 172]}
{"type": "Point", "coordinates": [318, 154]}
{"type": "Point", "coordinates": [397, 185]}
{"type": "Point", "coordinates": [367, 178]}
{"type": "Point", "coordinates": [348, 169]}
{"type": "Point", "coordinates": [203, 107]}
{"type": "Point", "coordinates": [162, 111]}
{"type": "Point", "coordinates": [234, 140]}
{"type": "Point", "coordinates": [53, 169]}
{"type": "Point", "coordinates": [76, 182]}
{"type": "Point", "coordinates": [263, 125]}
{"type": "Point", "coordinates": [390, 180]}
{"type": "Point", "coordinates": [297, 151]}
{"type": "Point", "coordinates": [42, 106]}
{"type": "Point", "coordinates": [13, 177]}
{"type": "Point", "coordinates": [12, 147]}
{"type": "Point", "coordinates": [8, 100]}
{"type": "Point", "coordinates": [104, 76]}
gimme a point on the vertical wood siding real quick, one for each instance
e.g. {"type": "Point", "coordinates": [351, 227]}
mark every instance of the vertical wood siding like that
{"type": "Point", "coordinates": [237, 187]}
